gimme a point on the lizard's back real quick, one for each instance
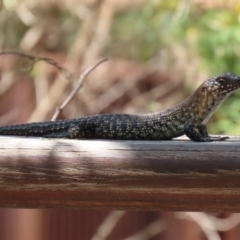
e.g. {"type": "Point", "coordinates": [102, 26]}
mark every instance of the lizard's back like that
{"type": "Point", "coordinates": [152, 126]}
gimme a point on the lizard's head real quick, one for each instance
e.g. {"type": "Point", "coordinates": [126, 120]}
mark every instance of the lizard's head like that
{"type": "Point", "coordinates": [222, 86]}
{"type": "Point", "coordinates": [210, 95]}
{"type": "Point", "coordinates": [214, 91]}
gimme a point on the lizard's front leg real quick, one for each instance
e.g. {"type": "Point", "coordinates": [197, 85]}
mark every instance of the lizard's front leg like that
{"type": "Point", "coordinates": [199, 133]}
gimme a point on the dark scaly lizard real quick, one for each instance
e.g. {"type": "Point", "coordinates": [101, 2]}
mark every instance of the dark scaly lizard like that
{"type": "Point", "coordinates": [189, 117]}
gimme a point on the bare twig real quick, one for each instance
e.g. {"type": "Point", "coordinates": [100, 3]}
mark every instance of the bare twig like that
{"type": "Point", "coordinates": [35, 59]}
{"type": "Point", "coordinates": [149, 231]}
{"type": "Point", "coordinates": [153, 94]}
{"type": "Point", "coordinates": [9, 116]}
{"type": "Point", "coordinates": [117, 90]}
{"type": "Point", "coordinates": [108, 225]}
{"type": "Point", "coordinates": [102, 28]}
{"type": "Point", "coordinates": [204, 222]}
{"type": "Point", "coordinates": [76, 89]}
{"type": "Point", "coordinates": [5, 25]}
{"type": "Point", "coordinates": [225, 224]}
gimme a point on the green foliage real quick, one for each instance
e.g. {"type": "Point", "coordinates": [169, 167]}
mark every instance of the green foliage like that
{"type": "Point", "coordinates": [219, 40]}
{"type": "Point", "coordinates": [218, 45]}
{"type": "Point", "coordinates": [145, 32]}
{"type": "Point", "coordinates": [211, 35]}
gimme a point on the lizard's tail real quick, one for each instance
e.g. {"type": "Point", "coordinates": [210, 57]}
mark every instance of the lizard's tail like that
{"type": "Point", "coordinates": [37, 129]}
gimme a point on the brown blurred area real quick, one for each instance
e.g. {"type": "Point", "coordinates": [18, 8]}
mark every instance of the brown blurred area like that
{"type": "Point", "coordinates": [76, 34]}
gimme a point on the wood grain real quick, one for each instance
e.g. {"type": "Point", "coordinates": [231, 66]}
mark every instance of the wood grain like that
{"type": "Point", "coordinates": [178, 175]}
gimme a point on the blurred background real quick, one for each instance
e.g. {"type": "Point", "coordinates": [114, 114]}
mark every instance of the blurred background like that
{"type": "Point", "coordinates": [159, 52]}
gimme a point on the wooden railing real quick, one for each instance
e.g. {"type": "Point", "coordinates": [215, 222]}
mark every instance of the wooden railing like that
{"type": "Point", "coordinates": [178, 175]}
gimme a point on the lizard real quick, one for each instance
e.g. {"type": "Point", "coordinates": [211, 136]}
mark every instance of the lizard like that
{"type": "Point", "coordinates": [188, 117]}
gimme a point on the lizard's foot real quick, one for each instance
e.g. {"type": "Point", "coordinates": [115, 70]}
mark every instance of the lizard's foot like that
{"type": "Point", "coordinates": [199, 134]}
{"type": "Point", "coordinates": [211, 139]}
{"type": "Point", "coordinates": [218, 138]}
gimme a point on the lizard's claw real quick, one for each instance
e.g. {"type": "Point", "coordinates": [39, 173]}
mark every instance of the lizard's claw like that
{"type": "Point", "coordinates": [213, 139]}
{"type": "Point", "coordinates": [218, 138]}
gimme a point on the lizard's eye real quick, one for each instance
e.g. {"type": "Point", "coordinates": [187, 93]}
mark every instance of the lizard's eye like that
{"type": "Point", "coordinates": [221, 80]}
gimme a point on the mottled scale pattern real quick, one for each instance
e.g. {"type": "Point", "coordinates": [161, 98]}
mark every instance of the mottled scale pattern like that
{"type": "Point", "coordinates": [188, 117]}
{"type": "Point", "coordinates": [104, 126]}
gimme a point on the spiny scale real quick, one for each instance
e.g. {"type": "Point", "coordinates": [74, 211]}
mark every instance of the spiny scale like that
{"type": "Point", "coordinates": [188, 117]}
